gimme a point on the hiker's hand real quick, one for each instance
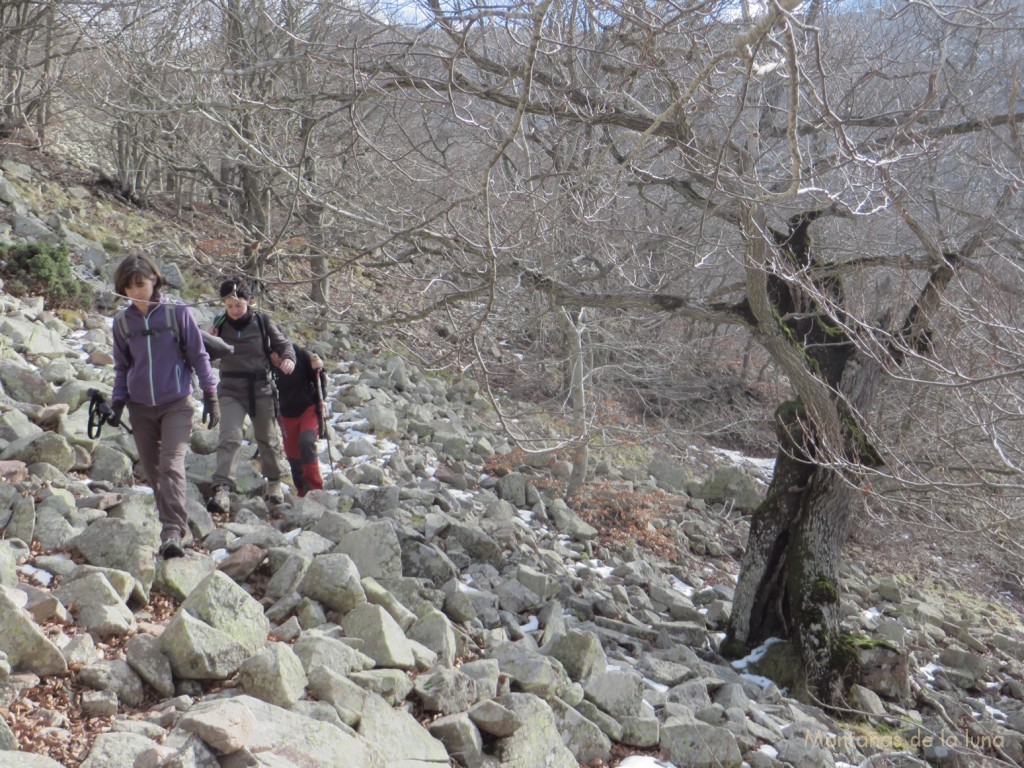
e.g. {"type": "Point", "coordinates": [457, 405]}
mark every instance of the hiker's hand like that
{"type": "Point", "coordinates": [116, 409]}
{"type": "Point", "coordinates": [276, 359]}
{"type": "Point", "coordinates": [315, 362]}
{"type": "Point", "coordinates": [211, 410]}
{"type": "Point", "coordinates": [286, 366]}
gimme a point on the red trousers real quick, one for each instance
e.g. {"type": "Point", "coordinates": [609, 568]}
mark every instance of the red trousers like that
{"type": "Point", "coordinates": [300, 436]}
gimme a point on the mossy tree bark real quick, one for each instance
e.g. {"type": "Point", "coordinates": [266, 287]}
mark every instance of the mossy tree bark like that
{"type": "Point", "coordinates": [789, 584]}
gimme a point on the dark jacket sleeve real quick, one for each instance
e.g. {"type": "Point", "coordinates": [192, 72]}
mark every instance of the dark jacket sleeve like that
{"type": "Point", "coordinates": [278, 342]}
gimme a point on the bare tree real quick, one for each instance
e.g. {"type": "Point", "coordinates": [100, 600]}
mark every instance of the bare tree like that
{"type": "Point", "coordinates": [37, 40]}
{"type": "Point", "coordinates": [725, 144]}
{"type": "Point", "coordinates": [837, 182]}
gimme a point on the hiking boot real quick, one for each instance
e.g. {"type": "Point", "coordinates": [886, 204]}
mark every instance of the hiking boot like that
{"type": "Point", "coordinates": [220, 501]}
{"type": "Point", "coordinates": [172, 547]}
{"type": "Point", "coordinates": [274, 495]}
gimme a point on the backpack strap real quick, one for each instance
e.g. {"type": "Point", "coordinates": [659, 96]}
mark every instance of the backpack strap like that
{"type": "Point", "coordinates": [171, 315]}
{"type": "Point", "coordinates": [171, 320]}
{"type": "Point", "coordinates": [261, 321]}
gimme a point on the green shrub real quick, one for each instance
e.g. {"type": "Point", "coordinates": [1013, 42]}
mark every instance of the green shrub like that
{"type": "Point", "coordinates": [37, 269]}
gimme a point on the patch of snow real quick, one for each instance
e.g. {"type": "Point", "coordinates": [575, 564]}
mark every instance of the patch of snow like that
{"type": "Point", "coordinates": [768, 749]}
{"type": "Point", "coordinates": [756, 654]}
{"type": "Point", "coordinates": [759, 680]}
{"type": "Point", "coordinates": [654, 685]}
{"type": "Point", "coordinates": [765, 468]}
{"type": "Point", "coordinates": [531, 626]}
{"type": "Point", "coordinates": [929, 670]}
{"type": "Point", "coordinates": [526, 515]}
{"type": "Point", "coordinates": [293, 534]}
{"type": "Point", "coordinates": [39, 576]}
{"type": "Point", "coordinates": [219, 555]}
{"type": "Point", "coordinates": [644, 761]}
{"type": "Point", "coordinates": [595, 566]}
{"type": "Point", "coordinates": [681, 586]}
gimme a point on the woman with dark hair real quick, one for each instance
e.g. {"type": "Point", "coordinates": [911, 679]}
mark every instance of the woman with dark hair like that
{"type": "Point", "coordinates": [246, 388]}
{"type": "Point", "coordinates": [155, 354]}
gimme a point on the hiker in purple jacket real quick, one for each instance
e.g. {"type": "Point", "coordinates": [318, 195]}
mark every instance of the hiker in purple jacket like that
{"type": "Point", "coordinates": [153, 365]}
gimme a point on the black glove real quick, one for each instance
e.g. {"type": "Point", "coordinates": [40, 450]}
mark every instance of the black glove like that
{"type": "Point", "coordinates": [116, 409]}
{"type": "Point", "coordinates": [211, 410]}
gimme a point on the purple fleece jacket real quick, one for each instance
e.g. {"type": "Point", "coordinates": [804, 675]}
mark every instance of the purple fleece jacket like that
{"type": "Point", "coordinates": [148, 367]}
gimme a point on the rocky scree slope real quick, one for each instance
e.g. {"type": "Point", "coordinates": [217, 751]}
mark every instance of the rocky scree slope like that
{"type": "Point", "coordinates": [428, 608]}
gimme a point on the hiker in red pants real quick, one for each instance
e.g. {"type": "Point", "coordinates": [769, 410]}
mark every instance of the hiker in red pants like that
{"type": "Point", "coordinates": [302, 411]}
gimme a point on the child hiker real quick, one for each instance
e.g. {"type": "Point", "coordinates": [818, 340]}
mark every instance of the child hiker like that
{"type": "Point", "coordinates": [300, 395]}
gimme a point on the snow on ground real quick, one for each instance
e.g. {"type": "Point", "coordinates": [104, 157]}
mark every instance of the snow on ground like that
{"type": "Point", "coordinates": [36, 575]}
{"type": "Point", "coordinates": [644, 761]}
{"type": "Point", "coordinates": [763, 468]}
{"type": "Point", "coordinates": [756, 654]}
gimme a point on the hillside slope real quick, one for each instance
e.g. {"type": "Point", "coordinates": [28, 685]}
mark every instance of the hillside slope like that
{"type": "Point", "coordinates": [438, 604]}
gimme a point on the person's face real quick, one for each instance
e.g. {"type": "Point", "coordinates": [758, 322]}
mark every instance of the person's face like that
{"type": "Point", "coordinates": [140, 291]}
{"type": "Point", "coordinates": [235, 307]}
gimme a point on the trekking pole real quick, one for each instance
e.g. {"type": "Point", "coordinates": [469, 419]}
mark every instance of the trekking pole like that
{"type": "Point", "coordinates": [101, 413]}
{"type": "Point", "coordinates": [322, 423]}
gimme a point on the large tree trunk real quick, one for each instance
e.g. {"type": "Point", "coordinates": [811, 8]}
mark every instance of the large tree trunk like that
{"type": "Point", "coordinates": [789, 584]}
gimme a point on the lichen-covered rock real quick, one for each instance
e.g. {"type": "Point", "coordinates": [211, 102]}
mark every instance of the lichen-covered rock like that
{"type": "Point", "coordinates": [221, 603]}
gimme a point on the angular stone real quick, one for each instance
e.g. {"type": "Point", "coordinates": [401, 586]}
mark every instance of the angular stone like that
{"type": "Point", "coordinates": [377, 595]}
{"type": "Point", "coordinates": [580, 653]}
{"type": "Point", "coordinates": [434, 630]}
{"type": "Point", "coordinates": [568, 522]}
{"type": "Point", "coordinates": [383, 640]}
{"type": "Point", "coordinates": [537, 742]}
{"type": "Point", "coordinates": [27, 649]}
{"type": "Point", "coordinates": [337, 690]}
{"type": "Point", "coordinates": [97, 607]}
{"type": "Point", "coordinates": [115, 543]}
{"type": "Point", "coordinates": [619, 692]}
{"type": "Point", "coordinates": [460, 737]}
{"type": "Point", "coordinates": [333, 580]}
{"type": "Point", "coordinates": [319, 650]}
{"type": "Point", "coordinates": [487, 674]}
{"type": "Point", "coordinates": [142, 652]}
{"type": "Point", "coordinates": [274, 675]}
{"type": "Point", "coordinates": [225, 606]}
{"type": "Point", "coordinates": [583, 738]}
{"type": "Point", "coordinates": [494, 719]}
{"type": "Point", "coordinates": [392, 685]}
{"type": "Point", "coordinates": [399, 737]}
{"type": "Point", "coordinates": [427, 562]}
{"type": "Point", "coordinates": [117, 750]}
{"type": "Point", "coordinates": [178, 576]}
{"type": "Point", "coordinates": [198, 651]}
{"type": "Point", "coordinates": [641, 732]}
{"type": "Point", "coordinates": [532, 672]}
{"type": "Point", "coordinates": [374, 549]}
{"type": "Point", "coordinates": [45, 448]}
{"type": "Point", "coordinates": [117, 676]}
{"type": "Point", "coordinates": [445, 690]}
{"type": "Point", "coordinates": [225, 728]}
{"type": "Point", "coordinates": [700, 745]}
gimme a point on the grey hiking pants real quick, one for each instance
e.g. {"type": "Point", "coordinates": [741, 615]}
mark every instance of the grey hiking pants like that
{"type": "Point", "coordinates": [161, 437]}
{"type": "Point", "coordinates": [264, 426]}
